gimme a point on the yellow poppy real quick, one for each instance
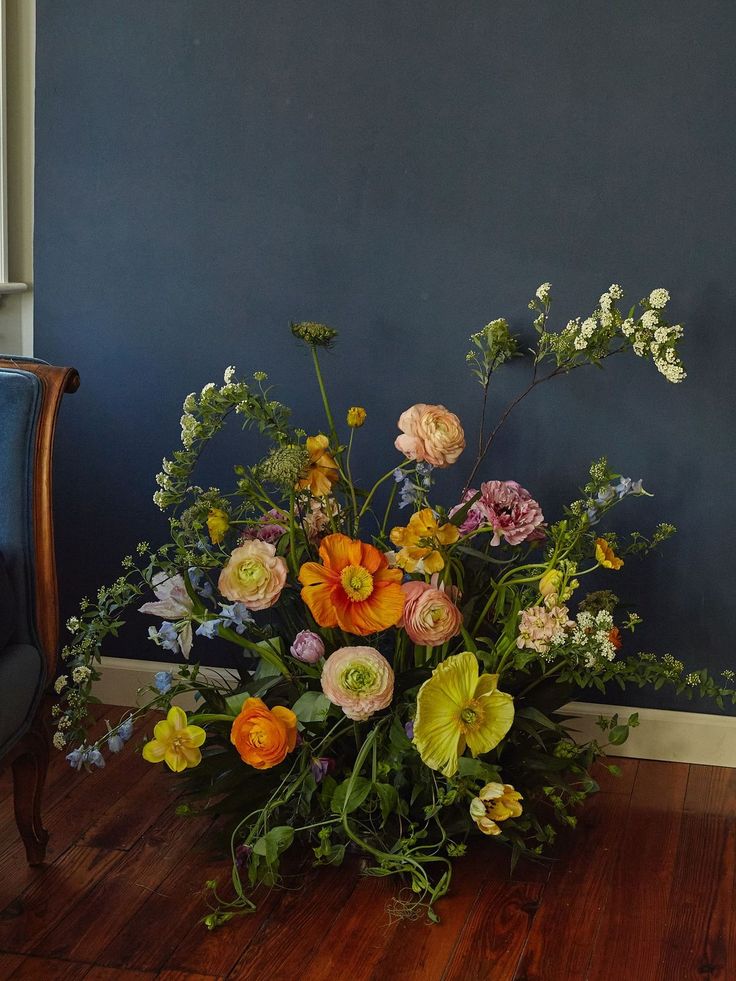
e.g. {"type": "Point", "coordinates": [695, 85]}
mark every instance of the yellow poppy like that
{"type": "Point", "coordinates": [605, 555]}
{"type": "Point", "coordinates": [420, 541]}
{"type": "Point", "coordinates": [457, 708]}
{"type": "Point", "coordinates": [322, 470]}
{"type": "Point", "coordinates": [174, 742]}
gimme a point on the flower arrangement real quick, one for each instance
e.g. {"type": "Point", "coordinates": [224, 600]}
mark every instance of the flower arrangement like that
{"type": "Point", "coordinates": [395, 679]}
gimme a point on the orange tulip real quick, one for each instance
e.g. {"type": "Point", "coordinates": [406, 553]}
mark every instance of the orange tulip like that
{"type": "Point", "coordinates": [352, 587]}
{"type": "Point", "coordinates": [263, 736]}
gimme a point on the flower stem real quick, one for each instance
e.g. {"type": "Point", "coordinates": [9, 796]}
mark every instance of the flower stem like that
{"type": "Point", "coordinates": [323, 392]}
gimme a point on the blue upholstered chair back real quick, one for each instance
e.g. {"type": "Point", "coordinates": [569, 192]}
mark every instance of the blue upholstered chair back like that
{"type": "Point", "coordinates": [20, 404]}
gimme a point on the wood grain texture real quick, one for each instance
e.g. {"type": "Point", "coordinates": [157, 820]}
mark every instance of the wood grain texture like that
{"type": "Point", "coordinates": [641, 891]}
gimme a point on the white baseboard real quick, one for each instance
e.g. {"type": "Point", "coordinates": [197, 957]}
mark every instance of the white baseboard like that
{"type": "Point", "coordinates": [679, 737]}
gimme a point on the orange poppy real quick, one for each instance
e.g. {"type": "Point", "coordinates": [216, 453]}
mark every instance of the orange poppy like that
{"type": "Point", "coordinates": [322, 470]}
{"type": "Point", "coordinates": [352, 587]}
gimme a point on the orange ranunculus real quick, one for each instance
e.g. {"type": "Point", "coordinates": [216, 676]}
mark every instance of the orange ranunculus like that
{"type": "Point", "coordinates": [263, 736]}
{"type": "Point", "coordinates": [322, 471]}
{"type": "Point", "coordinates": [352, 587]}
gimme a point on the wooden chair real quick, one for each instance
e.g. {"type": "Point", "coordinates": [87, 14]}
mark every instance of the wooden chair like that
{"type": "Point", "coordinates": [30, 394]}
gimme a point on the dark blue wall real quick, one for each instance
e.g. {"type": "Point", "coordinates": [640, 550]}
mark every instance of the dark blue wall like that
{"type": "Point", "coordinates": [207, 171]}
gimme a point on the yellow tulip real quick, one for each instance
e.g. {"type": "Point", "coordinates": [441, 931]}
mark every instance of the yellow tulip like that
{"type": "Point", "coordinates": [174, 742]}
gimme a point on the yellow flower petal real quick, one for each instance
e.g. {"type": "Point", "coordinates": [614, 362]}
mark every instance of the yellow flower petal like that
{"type": "Point", "coordinates": [177, 718]}
{"type": "Point", "coordinates": [455, 709]}
{"type": "Point", "coordinates": [154, 751]}
{"type": "Point", "coordinates": [175, 760]}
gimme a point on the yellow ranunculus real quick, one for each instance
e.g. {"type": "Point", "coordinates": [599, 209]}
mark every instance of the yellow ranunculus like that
{"type": "Point", "coordinates": [322, 470]}
{"type": "Point", "coordinates": [356, 416]}
{"type": "Point", "coordinates": [419, 542]}
{"type": "Point", "coordinates": [495, 802]}
{"type": "Point", "coordinates": [605, 555]}
{"type": "Point", "coordinates": [455, 709]}
{"type": "Point", "coordinates": [174, 742]}
{"type": "Point", "coordinates": [217, 524]}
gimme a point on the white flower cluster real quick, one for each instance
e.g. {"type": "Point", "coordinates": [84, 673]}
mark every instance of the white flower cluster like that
{"type": "Point", "coordinates": [659, 298]}
{"type": "Point", "coordinates": [543, 292]}
{"type": "Point", "coordinates": [592, 637]}
{"type": "Point", "coordinates": [652, 337]}
{"type": "Point", "coordinates": [81, 675]}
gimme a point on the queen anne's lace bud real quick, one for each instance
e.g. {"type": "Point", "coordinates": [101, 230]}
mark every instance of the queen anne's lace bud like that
{"type": "Point", "coordinates": [318, 335]}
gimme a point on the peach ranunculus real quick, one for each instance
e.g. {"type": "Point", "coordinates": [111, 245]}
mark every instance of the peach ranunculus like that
{"type": "Point", "coordinates": [253, 575]}
{"type": "Point", "coordinates": [358, 679]}
{"type": "Point", "coordinates": [322, 470]}
{"type": "Point", "coordinates": [263, 736]}
{"type": "Point", "coordinates": [430, 617]}
{"type": "Point", "coordinates": [431, 433]}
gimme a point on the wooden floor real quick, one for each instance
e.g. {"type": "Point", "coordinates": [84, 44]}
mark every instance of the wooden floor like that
{"type": "Point", "coordinates": [645, 893]}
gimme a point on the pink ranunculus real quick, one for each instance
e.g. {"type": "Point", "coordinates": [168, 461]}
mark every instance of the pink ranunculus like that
{"type": "Point", "coordinates": [253, 575]}
{"type": "Point", "coordinates": [430, 617]}
{"type": "Point", "coordinates": [308, 647]}
{"type": "Point", "coordinates": [511, 511]}
{"type": "Point", "coordinates": [431, 433]}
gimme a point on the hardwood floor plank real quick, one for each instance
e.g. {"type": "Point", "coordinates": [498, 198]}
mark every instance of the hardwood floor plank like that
{"type": "Point", "coordinates": [700, 936]}
{"type": "Point", "coordinates": [493, 938]}
{"type": "Point", "coordinates": [184, 976]}
{"type": "Point", "coordinates": [117, 896]}
{"type": "Point", "coordinates": [46, 969]}
{"type": "Point", "coordinates": [8, 963]}
{"type": "Point", "coordinates": [173, 909]}
{"type": "Point", "coordinates": [432, 945]}
{"type": "Point", "coordinates": [622, 784]}
{"type": "Point", "coordinates": [576, 894]}
{"type": "Point", "coordinates": [309, 911]}
{"type": "Point", "coordinates": [629, 941]}
{"type": "Point", "coordinates": [149, 797]}
{"type": "Point", "coordinates": [31, 916]}
{"type": "Point", "coordinates": [115, 974]}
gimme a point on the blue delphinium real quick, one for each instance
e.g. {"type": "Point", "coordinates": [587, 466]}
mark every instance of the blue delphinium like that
{"type": "Point", "coordinates": [200, 584]}
{"type": "Point", "coordinates": [120, 736]}
{"type": "Point", "coordinates": [85, 756]}
{"type": "Point", "coordinates": [162, 681]}
{"type": "Point", "coordinates": [166, 637]}
{"type": "Point", "coordinates": [235, 616]}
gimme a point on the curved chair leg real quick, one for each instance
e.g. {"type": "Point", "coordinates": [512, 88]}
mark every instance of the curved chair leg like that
{"type": "Point", "coordinates": [30, 763]}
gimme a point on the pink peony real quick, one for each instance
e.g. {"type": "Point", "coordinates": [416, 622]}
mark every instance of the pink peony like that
{"type": "Point", "coordinates": [431, 433]}
{"type": "Point", "coordinates": [253, 575]}
{"type": "Point", "coordinates": [510, 510]}
{"type": "Point", "coordinates": [358, 679]}
{"type": "Point", "coordinates": [308, 647]}
{"type": "Point", "coordinates": [430, 616]}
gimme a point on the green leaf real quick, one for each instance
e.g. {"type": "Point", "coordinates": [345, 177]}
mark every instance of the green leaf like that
{"type": "Point", "coordinates": [361, 787]}
{"type": "Point", "coordinates": [618, 735]}
{"type": "Point", "coordinates": [235, 702]}
{"type": "Point", "coordinates": [388, 798]}
{"type": "Point", "coordinates": [312, 706]}
{"type": "Point", "coordinates": [477, 769]}
{"type": "Point", "coordinates": [530, 712]}
{"type": "Point", "coordinates": [274, 842]}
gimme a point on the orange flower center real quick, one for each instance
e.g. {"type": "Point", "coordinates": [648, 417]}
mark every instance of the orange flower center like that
{"type": "Point", "coordinates": [357, 582]}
